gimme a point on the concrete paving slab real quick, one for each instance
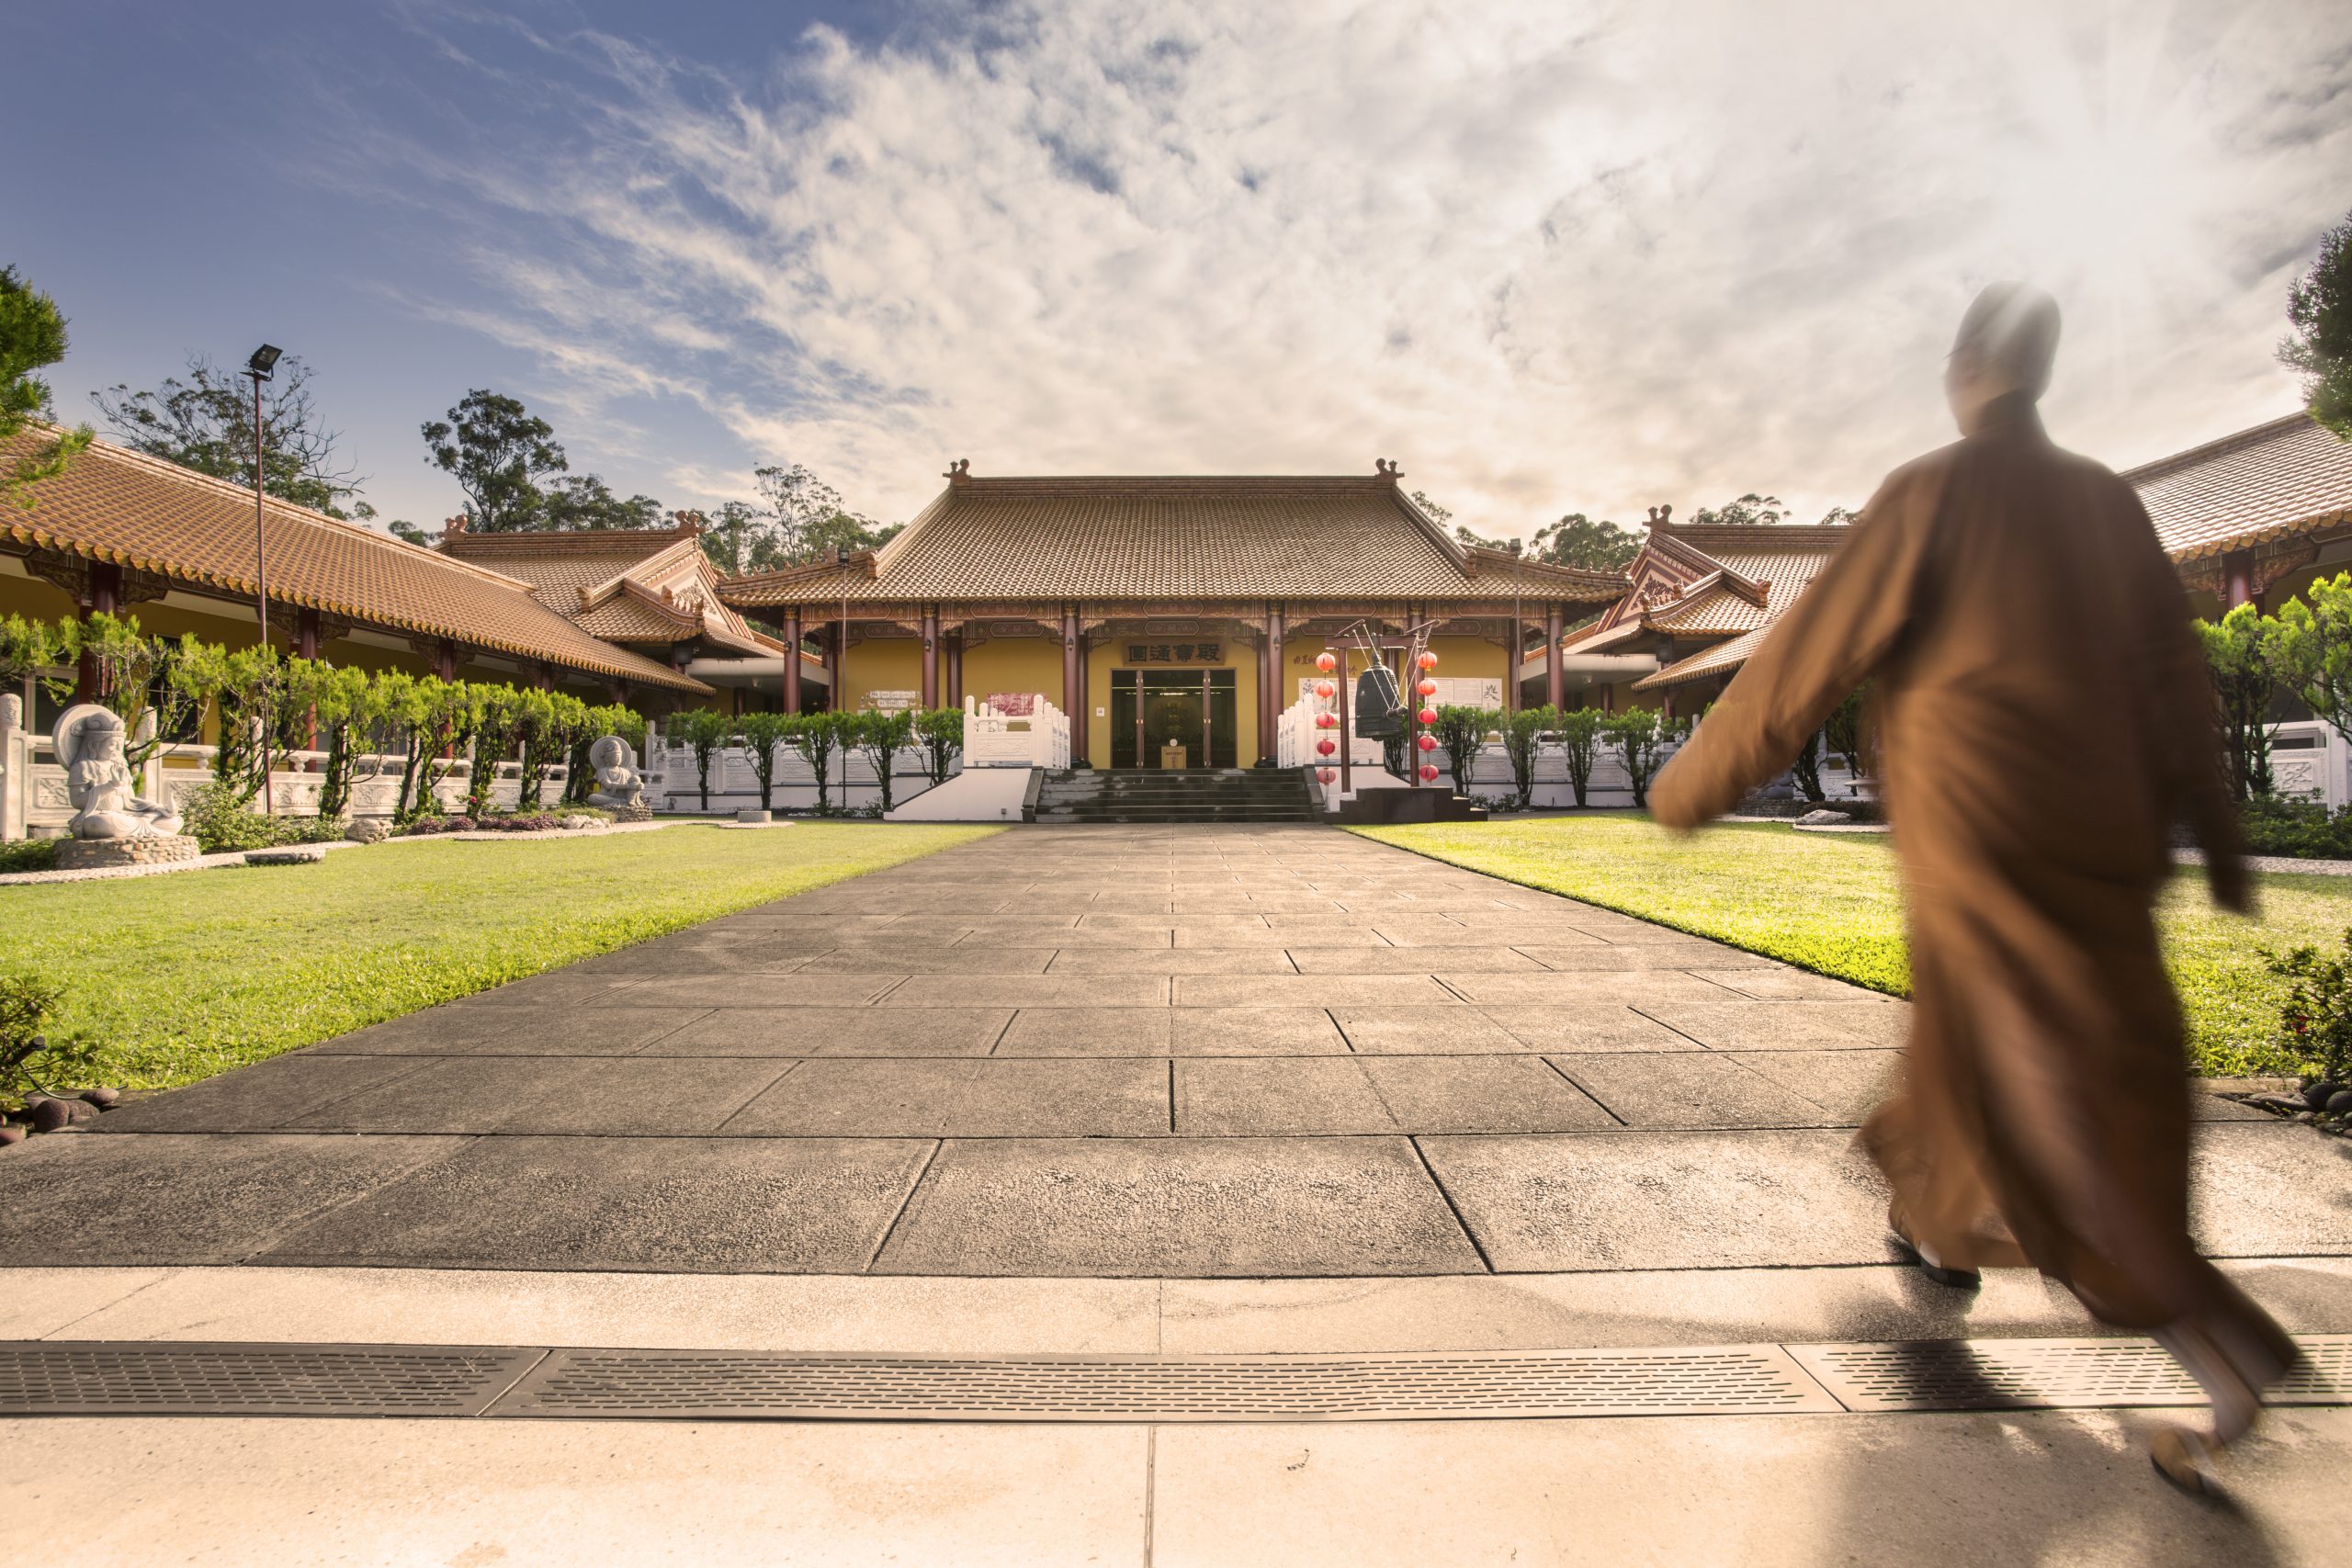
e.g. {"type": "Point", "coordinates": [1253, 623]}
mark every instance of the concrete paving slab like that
{"type": "Point", "coordinates": [783, 1313]}
{"type": "Point", "coordinates": [836, 1032]}
{"type": "Point", "coordinates": [38, 1302]}
{"type": "Point", "coordinates": [1781, 984]}
{"type": "Point", "coordinates": [1089, 1031]}
{"type": "Point", "coordinates": [1785, 1026]}
{"type": "Point", "coordinates": [764, 991]}
{"type": "Point", "coordinates": [1691, 1306]}
{"type": "Point", "coordinates": [926, 958]}
{"type": "Point", "coordinates": [1690, 1088]}
{"type": "Point", "coordinates": [1452, 1030]}
{"type": "Point", "coordinates": [551, 1094]}
{"type": "Point", "coordinates": [990, 1098]}
{"type": "Point", "coordinates": [1310, 990]}
{"type": "Point", "coordinates": [1482, 1094]}
{"type": "Point", "coordinates": [1848, 1085]}
{"type": "Point", "coordinates": [2270, 1190]}
{"type": "Point", "coordinates": [1255, 1032]}
{"type": "Point", "coordinates": [1286, 936]}
{"type": "Point", "coordinates": [568, 986]}
{"type": "Point", "coordinates": [1763, 1491]}
{"type": "Point", "coordinates": [258, 1098]}
{"type": "Point", "coordinates": [1411, 961]}
{"type": "Point", "coordinates": [163, 1198]}
{"type": "Point", "coordinates": [1172, 960]}
{"type": "Point", "coordinates": [1665, 1199]}
{"type": "Point", "coordinates": [1628, 956]}
{"type": "Point", "coordinates": [689, 1205]}
{"type": "Point", "coordinates": [1633, 986]}
{"type": "Point", "coordinates": [460, 1029]}
{"type": "Point", "coordinates": [1260, 1096]}
{"type": "Point", "coordinates": [1030, 991]}
{"type": "Point", "coordinates": [476, 1493]}
{"type": "Point", "coordinates": [1250, 1207]}
{"type": "Point", "coordinates": [1592, 1026]}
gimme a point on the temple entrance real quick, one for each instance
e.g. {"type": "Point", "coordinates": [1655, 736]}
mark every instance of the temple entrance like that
{"type": "Point", "coordinates": [1173, 718]}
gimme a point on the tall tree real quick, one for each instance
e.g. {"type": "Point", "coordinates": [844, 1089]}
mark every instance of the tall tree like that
{"type": "Point", "coordinates": [1436, 514]}
{"type": "Point", "coordinates": [33, 334]}
{"type": "Point", "coordinates": [1594, 544]}
{"type": "Point", "coordinates": [584, 501]}
{"type": "Point", "coordinates": [206, 422]}
{"type": "Point", "coordinates": [809, 520]}
{"type": "Point", "coordinates": [732, 535]}
{"type": "Point", "coordinates": [1750, 511]}
{"type": "Point", "coordinates": [498, 452]}
{"type": "Point", "coordinates": [2320, 309]}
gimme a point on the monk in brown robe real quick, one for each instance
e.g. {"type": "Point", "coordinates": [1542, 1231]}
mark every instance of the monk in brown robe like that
{"type": "Point", "coordinates": [2012, 606]}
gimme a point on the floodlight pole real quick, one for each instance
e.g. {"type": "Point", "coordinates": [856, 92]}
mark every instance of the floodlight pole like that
{"type": "Point", "coordinates": [260, 367]}
{"type": "Point", "coordinates": [1517, 627]}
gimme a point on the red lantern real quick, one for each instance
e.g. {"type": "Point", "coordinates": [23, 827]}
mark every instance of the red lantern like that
{"type": "Point", "coordinates": [1325, 748]}
{"type": "Point", "coordinates": [1326, 663]}
{"type": "Point", "coordinates": [1327, 721]}
{"type": "Point", "coordinates": [1429, 743]}
{"type": "Point", "coordinates": [1324, 688]}
{"type": "Point", "coordinates": [1428, 688]}
{"type": "Point", "coordinates": [1327, 775]}
{"type": "Point", "coordinates": [1428, 661]}
{"type": "Point", "coordinates": [1426, 715]}
{"type": "Point", "coordinates": [1429, 772]}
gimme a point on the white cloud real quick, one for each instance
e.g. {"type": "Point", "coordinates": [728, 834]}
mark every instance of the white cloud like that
{"type": "Point", "coordinates": [1551, 256]}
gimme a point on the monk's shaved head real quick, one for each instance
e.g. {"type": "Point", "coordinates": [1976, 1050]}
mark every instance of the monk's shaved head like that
{"type": "Point", "coordinates": [2006, 345]}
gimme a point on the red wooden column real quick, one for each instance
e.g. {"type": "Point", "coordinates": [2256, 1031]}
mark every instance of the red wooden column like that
{"type": "Point", "coordinates": [103, 597]}
{"type": "Point", "coordinates": [930, 659]}
{"type": "Point", "coordinates": [1072, 694]}
{"type": "Point", "coordinates": [792, 659]}
{"type": "Point", "coordinates": [1555, 676]}
{"type": "Point", "coordinates": [2237, 580]}
{"type": "Point", "coordinates": [833, 662]}
{"type": "Point", "coordinates": [1270, 705]}
{"type": "Point", "coordinates": [954, 669]}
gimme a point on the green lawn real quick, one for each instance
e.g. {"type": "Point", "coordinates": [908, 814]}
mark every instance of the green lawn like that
{"type": "Point", "coordinates": [179, 977]}
{"type": "Point", "coordinates": [1832, 902]}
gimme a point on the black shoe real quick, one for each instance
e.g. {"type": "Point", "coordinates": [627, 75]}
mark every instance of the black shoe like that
{"type": "Point", "coordinates": [1958, 1278]}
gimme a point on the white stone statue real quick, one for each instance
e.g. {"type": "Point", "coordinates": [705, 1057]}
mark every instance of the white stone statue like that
{"type": "Point", "coordinates": [88, 744]}
{"type": "Point", "coordinates": [617, 781]}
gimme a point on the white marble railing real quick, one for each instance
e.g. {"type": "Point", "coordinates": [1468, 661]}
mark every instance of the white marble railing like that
{"type": "Point", "coordinates": [1009, 737]}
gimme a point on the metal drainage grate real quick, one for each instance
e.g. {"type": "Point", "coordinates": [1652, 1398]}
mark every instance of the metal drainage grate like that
{"type": "Point", "coordinates": [1744, 1379]}
{"type": "Point", "coordinates": [60, 1378]}
{"type": "Point", "coordinates": [2024, 1374]}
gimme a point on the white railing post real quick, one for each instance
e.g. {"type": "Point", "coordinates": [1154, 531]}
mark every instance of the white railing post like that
{"type": "Point", "coordinates": [16, 767]}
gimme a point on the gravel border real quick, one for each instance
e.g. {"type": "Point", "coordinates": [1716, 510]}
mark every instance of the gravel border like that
{"type": "Point", "coordinates": [2290, 865]}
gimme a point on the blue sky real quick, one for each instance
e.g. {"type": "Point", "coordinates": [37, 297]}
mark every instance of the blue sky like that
{"type": "Point", "coordinates": [1549, 256]}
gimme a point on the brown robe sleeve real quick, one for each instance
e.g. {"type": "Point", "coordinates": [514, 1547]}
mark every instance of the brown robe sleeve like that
{"type": "Point", "coordinates": [1829, 642]}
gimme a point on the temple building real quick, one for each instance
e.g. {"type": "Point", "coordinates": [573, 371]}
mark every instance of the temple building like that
{"type": "Point", "coordinates": [1171, 618]}
{"type": "Point", "coordinates": [123, 533]}
{"type": "Point", "coordinates": [2256, 517]}
{"type": "Point", "coordinates": [1701, 601]}
{"type": "Point", "coordinates": [651, 591]}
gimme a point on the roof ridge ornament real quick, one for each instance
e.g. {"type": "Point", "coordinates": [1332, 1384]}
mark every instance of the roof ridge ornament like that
{"type": "Point", "coordinates": [1661, 516]}
{"type": "Point", "coordinates": [453, 527]}
{"type": "Point", "coordinates": [959, 470]}
{"type": "Point", "coordinates": [1387, 469]}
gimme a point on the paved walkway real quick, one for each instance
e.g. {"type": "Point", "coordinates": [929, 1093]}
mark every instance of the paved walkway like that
{"type": "Point", "coordinates": [1080, 1052]}
{"type": "Point", "coordinates": [1131, 1091]}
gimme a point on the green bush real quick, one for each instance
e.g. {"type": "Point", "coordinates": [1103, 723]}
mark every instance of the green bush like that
{"type": "Point", "coordinates": [219, 818]}
{"type": "Point", "coordinates": [2316, 1019]}
{"type": "Point", "coordinates": [2286, 825]}
{"type": "Point", "coordinates": [29, 854]}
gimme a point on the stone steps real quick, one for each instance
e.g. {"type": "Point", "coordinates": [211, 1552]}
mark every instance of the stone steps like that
{"type": "Point", "coordinates": [1191, 795]}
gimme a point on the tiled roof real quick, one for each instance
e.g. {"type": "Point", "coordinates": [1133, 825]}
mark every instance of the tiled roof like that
{"type": "Point", "coordinates": [117, 505]}
{"type": "Point", "coordinates": [2290, 476]}
{"type": "Point", "coordinates": [1171, 539]}
{"type": "Point", "coordinates": [1720, 660]}
{"type": "Point", "coordinates": [564, 567]}
{"type": "Point", "coordinates": [579, 573]}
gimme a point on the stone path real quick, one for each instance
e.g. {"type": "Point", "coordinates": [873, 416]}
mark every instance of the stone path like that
{"type": "Point", "coordinates": [1193, 1053]}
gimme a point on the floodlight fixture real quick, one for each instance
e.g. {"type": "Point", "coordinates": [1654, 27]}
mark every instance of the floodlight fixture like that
{"type": "Point", "coordinates": [263, 362]}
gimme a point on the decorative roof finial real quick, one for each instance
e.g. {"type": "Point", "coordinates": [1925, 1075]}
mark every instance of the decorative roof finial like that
{"type": "Point", "coordinates": [453, 527]}
{"type": "Point", "coordinates": [958, 470]}
{"type": "Point", "coordinates": [1661, 515]}
{"type": "Point", "coordinates": [1387, 468]}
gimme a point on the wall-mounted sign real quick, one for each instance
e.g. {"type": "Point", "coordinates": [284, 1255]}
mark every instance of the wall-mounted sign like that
{"type": "Point", "coordinates": [1175, 653]}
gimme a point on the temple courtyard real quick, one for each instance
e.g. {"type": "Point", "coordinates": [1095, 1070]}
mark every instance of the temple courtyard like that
{"type": "Point", "coordinates": [1206, 1102]}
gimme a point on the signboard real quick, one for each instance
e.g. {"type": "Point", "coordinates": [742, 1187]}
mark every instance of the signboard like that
{"type": "Point", "coordinates": [1013, 705]}
{"type": "Point", "coordinates": [1175, 653]}
{"type": "Point", "coordinates": [893, 702]}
